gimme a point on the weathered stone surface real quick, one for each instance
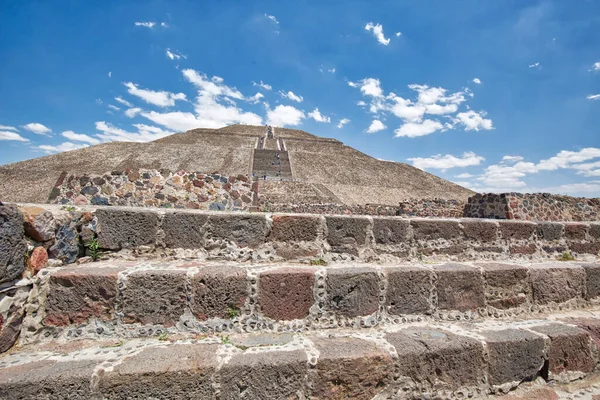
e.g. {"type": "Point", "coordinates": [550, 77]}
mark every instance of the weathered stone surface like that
{"type": "Point", "coordinates": [353, 291]}
{"type": "Point", "coordinates": [391, 230]}
{"type": "Point", "coordinates": [286, 293]}
{"type": "Point", "coordinates": [179, 371]}
{"type": "Point", "coordinates": [39, 223]}
{"type": "Point", "coordinates": [154, 297]}
{"type": "Point", "coordinates": [266, 375]}
{"type": "Point", "coordinates": [514, 355]}
{"type": "Point", "coordinates": [506, 286]}
{"type": "Point", "coordinates": [184, 230]}
{"type": "Point", "coordinates": [585, 247]}
{"type": "Point", "coordinates": [67, 247]}
{"type": "Point", "coordinates": [592, 280]}
{"type": "Point", "coordinates": [78, 294]}
{"type": "Point", "coordinates": [594, 230]}
{"type": "Point", "coordinates": [438, 358]}
{"type": "Point", "coordinates": [591, 325]}
{"type": "Point", "coordinates": [459, 287]}
{"type": "Point", "coordinates": [543, 393]}
{"type": "Point", "coordinates": [122, 229]}
{"type": "Point", "coordinates": [12, 243]}
{"type": "Point", "coordinates": [481, 230]}
{"type": "Point", "coordinates": [11, 328]}
{"type": "Point", "coordinates": [350, 368]}
{"type": "Point", "coordinates": [291, 228]}
{"type": "Point", "coordinates": [575, 230]}
{"type": "Point", "coordinates": [526, 249]}
{"type": "Point", "coordinates": [410, 290]}
{"type": "Point", "coordinates": [244, 230]}
{"type": "Point", "coordinates": [38, 259]}
{"type": "Point", "coordinates": [347, 234]}
{"type": "Point", "coordinates": [217, 288]}
{"type": "Point", "coordinates": [557, 282]}
{"type": "Point", "coordinates": [427, 229]}
{"type": "Point", "coordinates": [550, 230]}
{"type": "Point", "coordinates": [570, 348]}
{"type": "Point", "coordinates": [517, 230]}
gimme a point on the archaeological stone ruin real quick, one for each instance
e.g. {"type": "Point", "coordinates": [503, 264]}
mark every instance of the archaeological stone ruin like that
{"type": "Point", "coordinates": [267, 263]}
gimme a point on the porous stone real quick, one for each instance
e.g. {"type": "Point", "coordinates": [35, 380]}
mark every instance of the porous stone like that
{"type": "Point", "coordinates": [506, 285]}
{"type": "Point", "coordinates": [154, 297]}
{"type": "Point", "coordinates": [517, 230]}
{"type": "Point", "coordinates": [347, 234]}
{"type": "Point", "coordinates": [594, 231]}
{"type": "Point", "coordinates": [286, 293]}
{"type": "Point", "coordinates": [526, 249]}
{"type": "Point", "coordinates": [557, 282]}
{"type": "Point", "coordinates": [585, 247]}
{"type": "Point", "coordinates": [350, 368]}
{"type": "Point", "coordinates": [437, 358]}
{"type": "Point", "coordinates": [575, 230]}
{"type": "Point", "coordinates": [514, 355]}
{"type": "Point", "coordinates": [122, 229]}
{"type": "Point", "coordinates": [391, 230]}
{"type": "Point", "coordinates": [216, 289]}
{"type": "Point", "coordinates": [353, 291]}
{"type": "Point", "coordinates": [39, 223]}
{"type": "Point", "coordinates": [177, 371]}
{"type": "Point", "coordinates": [12, 243]}
{"type": "Point", "coordinates": [570, 348]}
{"type": "Point", "coordinates": [480, 230]}
{"type": "Point", "coordinates": [78, 294]}
{"type": "Point", "coordinates": [38, 259]}
{"type": "Point", "coordinates": [265, 375]}
{"type": "Point", "coordinates": [459, 287]}
{"type": "Point", "coordinates": [409, 291]}
{"type": "Point", "coordinates": [592, 280]}
{"type": "Point", "coordinates": [591, 325]}
{"type": "Point", "coordinates": [426, 229]}
{"type": "Point", "coordinates": [184, 230]}
{"type": "Point", "coordinates": [243, 230]}
{"type": "Point", "coordinates": [291, 228]}
{"type": "Point", "coordinates": [550, 230]}
{"type": "Point", "coordinates": [67, 247]}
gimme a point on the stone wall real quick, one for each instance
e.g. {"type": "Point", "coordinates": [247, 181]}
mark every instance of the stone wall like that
{"type": "Point", "coordinates": [153, 188]}
{"type": "Point", "coordinates": [533, 207]}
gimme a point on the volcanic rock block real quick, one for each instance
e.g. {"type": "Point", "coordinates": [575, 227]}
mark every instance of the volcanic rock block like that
{"type": "Point", "coordinates": [557, 282]}
{"type": "Point", "coordinates": [391, 230]}
{"type": "Point", "coordinates": [184, 230]}
{"type": "Point", "coordinates": [575, 230]}
{"type": "Point", "coordinates": [459, 287]}
{"type": "Point", "coordinates": [122, 229]}
{"type": "Point", "coordinates": [39, 223]}
{"type": "Point", "coordinates": [292, 228]}
{"type": "Point", "coordinates": [480, 230]}
{"type": "Point", "coordinates": [286, 293]}
{"type": "Point", "coordinates": [353, 291]}
{"type": "Point", "coordinates": [244, 230]}
{"type": "Point", "coordinates": [67, 246]}
{"type": "Point", "coordinates": [426, 229]}
{"type": "Point", "coordinates": [550, 230]}
{"type": "Point", "coordinates": [217, 288]}
{"type": "Point", "coordinates": [506, 286]}
{"type": "Point", "coordinates": [12, 243]}
{"type": "Point", "coordinates": [410, 291]}
{"type": "Point", "coordinates": [347, 234]}
{"type": "Point", "coordinates": [592, 280]}
{"type": "Point", "coordinates": [517, 230]}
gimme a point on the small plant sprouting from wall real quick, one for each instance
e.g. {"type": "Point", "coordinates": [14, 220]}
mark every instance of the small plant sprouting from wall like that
{"type": "Point", "coordinates": [318, 261]}
{"type": "Point", "coordinates": [94, 249]}
{"type": "Point", "coordinates": [566, 256]}
{"type": "Point", "coordinates": [233, 311]}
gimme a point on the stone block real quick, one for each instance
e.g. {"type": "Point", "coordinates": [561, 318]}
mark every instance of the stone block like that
{"type": "Point", "coordinates": [517, 230]}
{"type": "Point", "coordinates": [433, 229]}
{"type": "Point", "coordinates": [481, 230]}
{"type": "Point", "coordinates": [347, 234]}
{"type": "Point", "coordinates": [286, 293]}
{"type": "Point", "coordinates": [184, 230]}
{"type": "Point", "coordinates": [526, 249]}
{"type": "Point", "coordinates": [350, 368]}
{"type": "Point", "coordinates": [557, 282]}
{"type": "Point", "coordinates": [575, 230]}
{"type": "Point", "coordinates": [10, 329]}
{"type": "Point", "coordinates": [265, 375]}
{"type": "Point", "coordinates": [78, 294]}
{"type": "Point", "coordinates": [217, 288]}
{"type": "Point", "coordinates": [67, 246]}
{"type": "Point", "coordinates": [594, 231]}
{"type": "Point", "coordinates": [154, 297]}
{"type": "Point", "coordinates": [12, 243]}
{"type": "Point", "coordinates": [570, 348]}
{"type": "Point", "coordinates": [592, 280]}
{"type": "Point", "coordinates": [591, 325]}
{"type": "Point", "coordinates": [177, 371]}
{"type": "Point", "coordinates": [514, 355]}
{"type": "Point", "coordinates": [459, 287]}
{"type": "Point", "coordinates": [506, 285]}
{"type": "Point", "coordinates": [242, 229]}
{"type": "Point", "coordinates": [353, 291]}
{"type": "Point", "coordinates": [124, 229]}
{"type": "Point", "coordinates": [391, 230]}
{"type": "Point", "coordinates": [39, 223]}
{"type": "Point", "coordinates": [410, 290]}
{"type": "Point", "coordinates": [585, 248]}
{"type": "Point", "coordinates": [292, 228]}
{"type": "Point", "coordinates": [550, 230]}
{"type": "Point", "coordinates": [438, 358]}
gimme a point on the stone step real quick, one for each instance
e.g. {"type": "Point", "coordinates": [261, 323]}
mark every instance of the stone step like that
{"type": "Point", "coordinates": [141, 298]}
{"type": "Point", "coordinates": [398, 361]}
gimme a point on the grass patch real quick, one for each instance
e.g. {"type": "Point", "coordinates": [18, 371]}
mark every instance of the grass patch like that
{"type": "Point", "coordinates": [566, 256]}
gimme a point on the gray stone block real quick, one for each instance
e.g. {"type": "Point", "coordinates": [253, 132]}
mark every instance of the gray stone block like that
{"type": "Point", "coordinates": [184, 229]}
{"type": "Point", "coordinates": [517, 230]}
{"type": "Point", "coordinates": [286, 293]}
{"type": "Point", "coordinates": [410, 290]}
{"type": "Point", "coordinates": [242, 229]}
{"type": "Point", "coordinates": [217, 288]}
{"type": "Point", "coordinates": [550, 230]}
{"type": "Point", "coordinates": [347, 234]}
{"type": "Point", "coordinates": [391, 230]}
{"type": "Point", "coordinates": [480, 230]}
{"type": "Point", "coordinates": [295, 228]}
{"type": "Point", "coordinates": [124, 229]}
{"type": "Point", "coordinates": [433, 229]}
{"type": "Point", "coordinates": [592, 280]}
{"type": "Point", "coordinates": [353, 291]}
{"type": "Point", "coordinates": [557, 282]}
{"type": "Point", "coordinates": [12, 243]}
{"type": "Point", "coordinates": [506, 285]}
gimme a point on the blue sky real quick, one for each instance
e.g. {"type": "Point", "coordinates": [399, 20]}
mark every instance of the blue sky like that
{"type": "Point", "coordinates": [494, 95]}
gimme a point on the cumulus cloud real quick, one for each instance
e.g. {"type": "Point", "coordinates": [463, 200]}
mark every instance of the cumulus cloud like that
{"type": "Point", "coordinates": [110, 74]}
{"type": "Point", "coordinates": [468, 159]}
{"type": "Point", "coordinates": [66, 146]}
{"type": "Point", "coordinates": [342, 122]}
{"type": "Point", "coordinates": [145, 24]}
{"type": "Point", "coordinates": [376, 126]}
{"type": "Point", "coordinates": [377, 31]}
{"type": "Point", "coordinates": [512, 159]}
{"type": "Point", "coordinates": [80, 137]}
{"type": "Point", "coordinates": [8, 128]}
{"type": "Point", "coordinates": [474, 121]}
{"type": "Point", "coordinates": [317, 116]}
{"type": "Point", "coordinates": [290, 95]}
{"type": "Point", "coordinates": [157, 98]}
{"type": "Point", "coordinates": [272, 18]}
{"type": "Point", "coordinates": [262, 85]}
{"type": "Point", "coordinates": [465, 175]}
{"type": "Point", "coordinates": [145, 133]}
{"type": "Point", "coordinates": [477, 81]}
{"type": "Point", "coordinates": [398, 34]}
{"type": "Point", "coordinates": [593, 97]}
{"type": "Point", "coordinates": [256, 98]}
{"type": "Point", "coordinates": [173, 55]}
{"type": "Point", "coordinates": [37, 128]}
{"type": "Point", "coordinates": [284, 116]}
{"type": "Point", "coordinates": [416, 129]}
{"type": "Point", "coordinates": [123, 101]}
{"type": "Point", "coordinates": [596, 66]}
{"type": "Point", "coordinates": [6, 135]}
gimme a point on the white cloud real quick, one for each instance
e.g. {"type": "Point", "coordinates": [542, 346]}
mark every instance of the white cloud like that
{"type": "Point", "coordinates": [398, 34]}
{"type": "Point", "coordinates": [290, 95]}
{"type": "Point", "coordinates": [272, 18]}
{"type": "Point", "coordinates": [378, 33]}
{"type": "Point", "coordinates": [145, 133]}
{"type": "Point", "coordinates": [8, 128]}
{"type": "Point", "coordinates": [416, 129]}
{"type": "Point", "coordinates": [535, 65]}
{"type": "Point", "coordinates": [369, 87]}
{"type": "Point", "coordinates": [173, 55]}
{"type": "Point", "coordinates": [113, 107]}
{"type": "Point", "coordinates": [79, 137]}
{"type": "Point", "coordinates": [594, 97]}
{"type": "Point", "coordinates": [474, 121]}
{"type": "Point", "coordinates": [179, 121]}
{"type": "Point", "coordinates": [157, 98]}
{"type": "Point", "coordinates": [284, 116]}
{"type": "Point", "coordinates": [466, 175]}
{"type": "Point", "coordinates": [164, 25]}
{"type": "Point", "coordinates": [468, 159]}
{"type": "Point", "coordinates": [376, 126]}
{"type": "Point", "coordinates": [256, 98]}
{"type": "Point", "coordinates": [37, 128]}
{"type": "Point", "coordinates": [317, 116]}
{"type": "Point", "coordinates": [5, 135]}
{"type": "Point", "coordinates": [332, 70]}
{"type": "Point", "coordinates": [512, 159]}
{"type": "Point", "coordinates": [123, 101]}
{"type": "Point", "coordinates": [342, 122]}
{"type": "Point", "coordinates": [566, 159]}
{"type": "Point", "coordinates": [477, 81]}
{"type": "Point", "coordinates": [132, 112]}
{"type": "Point", "coordinates": [147, 24]}
{"type": "Point", "coordinates": [110, 74]}
{"type": "Point", "coordinates": [262, 85]}
{"type": "Point", "coordinates": [596, 66]}
{"type": "Point", "coordinates": [66, 146]}
{"type": "Point", "coordinates": [575, 189]}
{"type": "Point", "coordinates": [361, 103]}
{"type": "Point", "coordinates": [213, 87]}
